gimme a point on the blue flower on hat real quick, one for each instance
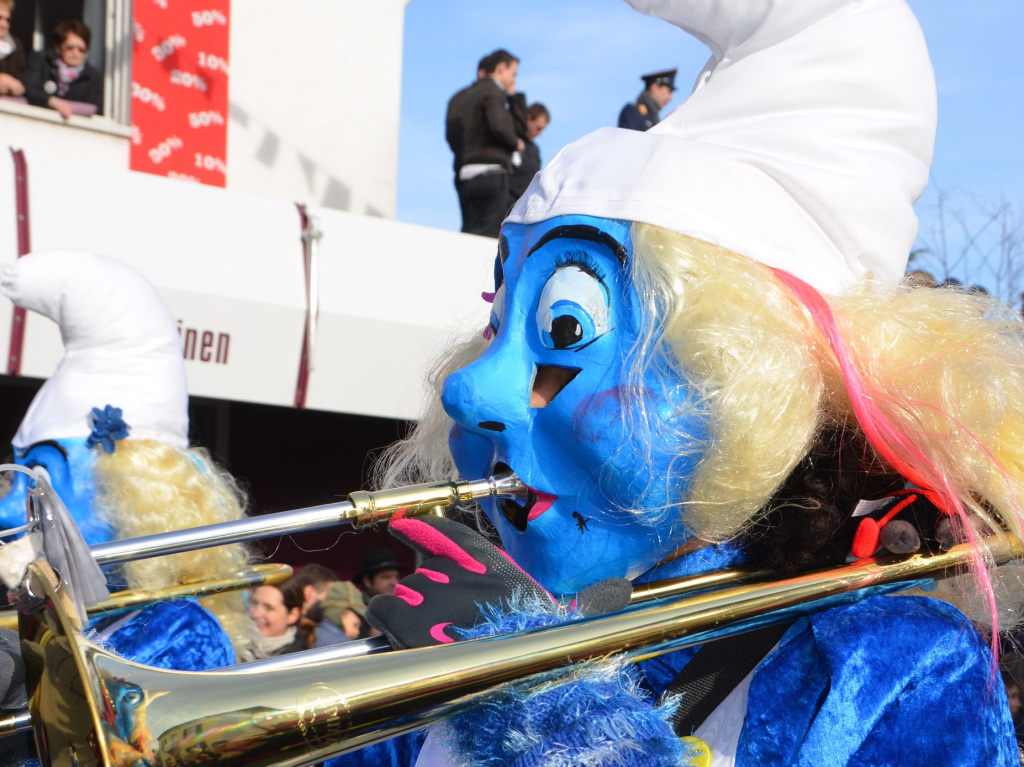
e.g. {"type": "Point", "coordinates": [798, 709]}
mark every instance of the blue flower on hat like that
{"type": "Point", "coordinates": [107, 426]}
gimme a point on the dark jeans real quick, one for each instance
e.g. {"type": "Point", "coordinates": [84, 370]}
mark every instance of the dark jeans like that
{"type": "Point", "coordinates": [484, 203]}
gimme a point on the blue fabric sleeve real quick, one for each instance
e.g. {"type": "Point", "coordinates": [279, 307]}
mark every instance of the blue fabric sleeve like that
{"type": "Point", "coordinates": [179, 635]}
{"type": "Point", "coordinates": [591, 713]}
{"type": "Point", "coordinates": [888, 681]}
{"type": "Point", "coordinates": [594, 713]}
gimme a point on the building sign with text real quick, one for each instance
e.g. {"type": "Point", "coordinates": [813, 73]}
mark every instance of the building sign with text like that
{"type": "Point", "coordinates": [180, 89]}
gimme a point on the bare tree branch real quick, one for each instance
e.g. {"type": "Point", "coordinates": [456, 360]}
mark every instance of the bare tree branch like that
{"type": "Point", "coordinates": [974, 241]}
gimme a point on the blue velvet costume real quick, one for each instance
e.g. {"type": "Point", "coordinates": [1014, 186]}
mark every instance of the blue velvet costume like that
{"type": "Point", "coordinates": [892, 680]}
{"type": "Point", "coordinates": [179, 635]}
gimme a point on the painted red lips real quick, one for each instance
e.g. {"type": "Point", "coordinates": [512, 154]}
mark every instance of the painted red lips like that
{"type": "Point", "coordinates": [541, 502]}
{"type": "Point", "coordinates": [521, 513]}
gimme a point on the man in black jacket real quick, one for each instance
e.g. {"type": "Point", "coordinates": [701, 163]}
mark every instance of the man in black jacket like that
{"type": "Point", "coordinates": [537, 119]}
{"type": "Point", "coordinates": [488, 141]}
{"type": "Point", "coordinates": [453, 128]}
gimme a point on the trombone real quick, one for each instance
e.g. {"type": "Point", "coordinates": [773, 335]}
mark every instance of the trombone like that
{"type": "Point", "coordinates": [90, 707]}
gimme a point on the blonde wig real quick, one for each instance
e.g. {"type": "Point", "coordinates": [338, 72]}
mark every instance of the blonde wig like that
{"type": "Point", "coordinates": [146, 487]}
{"type": "Point", "coordinates": [933, 379]}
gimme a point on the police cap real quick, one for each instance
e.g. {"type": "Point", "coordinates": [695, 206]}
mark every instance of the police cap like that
{"type": "Point", "coordinates": [667, 77]}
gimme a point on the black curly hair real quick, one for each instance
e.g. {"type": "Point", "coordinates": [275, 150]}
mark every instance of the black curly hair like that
{"type": "Point", "coordinates": [808, 521]}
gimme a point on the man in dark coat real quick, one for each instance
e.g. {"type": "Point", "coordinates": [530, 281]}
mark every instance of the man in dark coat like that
{"type": "Point", "coordinates": [453, 128]}
{"type": "Point", "coordinates": [645, 112]}
{"type": "Point", "coordinates": [488, 141]}
{"type": "Point", "coordinates": [537, 119]}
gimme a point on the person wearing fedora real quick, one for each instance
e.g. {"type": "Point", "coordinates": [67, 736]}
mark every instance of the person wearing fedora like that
{"type": "Point", "coordinates": [645, 112]}
{"type": "Point", "coordinates": [378, 574]}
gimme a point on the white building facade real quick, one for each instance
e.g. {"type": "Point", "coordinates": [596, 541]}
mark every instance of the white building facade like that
{"type": "Point", "coordinates": [294, 302]}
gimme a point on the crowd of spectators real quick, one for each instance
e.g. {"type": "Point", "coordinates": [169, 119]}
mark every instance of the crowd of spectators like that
{"type": "Point", "coordinates": [492, 130]}
{"type": "Point", "coordinates": [315, 608]}
{"type": "Point", "coordinates": [59, 77]}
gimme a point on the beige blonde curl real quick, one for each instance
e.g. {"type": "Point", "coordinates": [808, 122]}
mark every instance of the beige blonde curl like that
{"type": "Point", "coordinates": [147, 487]}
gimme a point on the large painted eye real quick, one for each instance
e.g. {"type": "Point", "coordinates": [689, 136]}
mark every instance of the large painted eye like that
{"type": "Point", "coordinates": [497, 308]}
{"type": "Point", "coordinates": [573, 309]}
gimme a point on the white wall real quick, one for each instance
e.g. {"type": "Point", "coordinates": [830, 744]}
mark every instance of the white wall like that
{"type": "Point", "coordinates": [390, 295]}
{"type": "Point", "coordinates": [97, 139]}
{"type": "Point", "coordinates": [315, 89]}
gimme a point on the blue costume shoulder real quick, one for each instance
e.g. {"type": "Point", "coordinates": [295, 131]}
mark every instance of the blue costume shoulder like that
{"type": "Point", "coordinates": [179, 635]}
{"type": "Point", "coordinates": [887, 681]}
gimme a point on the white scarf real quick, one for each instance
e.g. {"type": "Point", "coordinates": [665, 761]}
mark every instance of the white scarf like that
{"type": "Point", "coordinates": [66, 75]}
{"type": "Point", "coordinates": [265, 647]}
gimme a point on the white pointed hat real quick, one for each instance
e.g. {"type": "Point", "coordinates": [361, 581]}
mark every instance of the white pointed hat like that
{"type": "Point", "coordinates": [121, 348]}
{"type": "Point", "coordinates": [804, 144]}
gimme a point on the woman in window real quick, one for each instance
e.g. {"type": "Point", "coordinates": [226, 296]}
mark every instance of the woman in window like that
{"type": "Point", "coordinates": [61, 78]}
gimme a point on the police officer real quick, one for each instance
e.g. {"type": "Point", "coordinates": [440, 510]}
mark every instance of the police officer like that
{"type": "Point", "coordinates": [643, 113]}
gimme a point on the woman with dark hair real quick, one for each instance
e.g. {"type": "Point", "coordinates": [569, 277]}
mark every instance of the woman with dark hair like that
{"type": "Point", "coordinates": [60, 78]}
{"type": "Point", "coordinates": [276, 610]}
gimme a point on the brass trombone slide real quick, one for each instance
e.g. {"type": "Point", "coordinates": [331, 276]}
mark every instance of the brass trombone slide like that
{"type": "Point", "coordinates": [304, 713]}
{"type": "Point", "coordinates": [360, 510]}
{"type": "Point", "coordinates": [121, 601]}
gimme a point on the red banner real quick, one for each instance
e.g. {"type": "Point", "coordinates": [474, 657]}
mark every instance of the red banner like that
{"type": "Point", "coordinates": [180, 89]}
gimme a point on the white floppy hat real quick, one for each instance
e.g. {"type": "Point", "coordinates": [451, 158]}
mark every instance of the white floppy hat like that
{"type": "Point", "coordinates": [804, 144]}
{"type": "Point", "coordinates": [121, 348]}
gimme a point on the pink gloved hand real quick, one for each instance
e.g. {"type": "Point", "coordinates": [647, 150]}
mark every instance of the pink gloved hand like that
{"type": "Point", "coordinates": [462, 571]}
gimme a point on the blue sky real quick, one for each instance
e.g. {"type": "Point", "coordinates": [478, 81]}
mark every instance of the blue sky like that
{"type": "Point", "coordinates": [583, 58]}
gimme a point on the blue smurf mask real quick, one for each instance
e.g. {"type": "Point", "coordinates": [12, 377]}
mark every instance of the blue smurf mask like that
{"type": "Point", "coordinates": [70, 464]}
{"type": "Point", "coordinates": [603, 452]}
